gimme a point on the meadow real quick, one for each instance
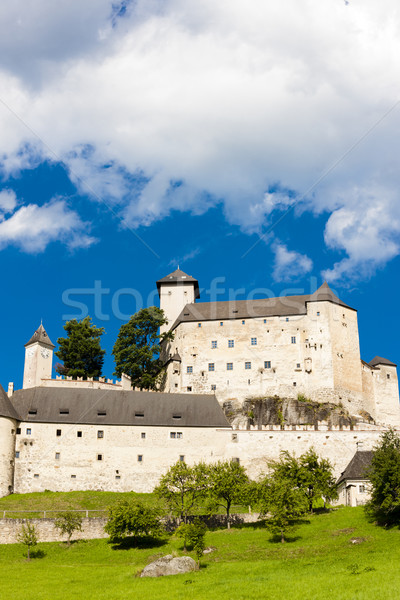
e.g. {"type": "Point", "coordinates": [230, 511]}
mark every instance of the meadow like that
{"type": "Point", "coordinates": [336, 555]}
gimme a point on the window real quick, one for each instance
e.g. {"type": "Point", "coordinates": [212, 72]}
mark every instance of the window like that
{"type": "Point", "coordinates": [247, 365]}
{"type": "Point", "coordinates": [198, 324]}
{"type": "Point", "coordinates": [99, 457]}
{"type": "Point", "coordinates": [182, 458]}
{"type": "Point", "coordinates": [17, 454]}
{"type": "Point", "coordinates": [214, 344]}
{"type": "Point", "coordinates": [388, 375]}
{"type": "Point", "coordinates": [79, 434]}
{"type": "Point", "coordinates": [265, 320]}
{"type": "Point", "coordinates": [139, 414]}
{"type": "Point", "coordinates": [73, 476]}
{"type": "Point", "coordinates": [243, 322]}
{"type": "Point", "coordinates": [57, 456]}
{"type": "Point", "coordinates": [176, 416]}
{"type": "Point", "coordinates": [32, 411]}
{"type": "Point", "coordinates": [143, 435]}
{"type": "Point", "coordinates": [293, 339]}
{"type": "Point", "coordinates": [18, 430]}
{"type": "Point", "coordinates": [36, 475]}
{"type": "Point", "coordinates": [58, 432]}
{"type": "Point", "coordinates": [101, 413]}
{"type": "Point", "coordinates": [189, 388]}
{"type": "Point", "coordinates": [64, 411]}
{"type": "Point", "coordinates": [229, 366]}
{"type": "Point", "coordinates": [118, 477]}
{"type": "Point", "coordinates": [294, 383]}
{"type": "Point", "coordinates": [234, 437]}
{"type": "Point", "coordinates": [231, 343]}
{"type": "Point", "coordinates": [100, 434]}
{"type": "Point", "coordinates": [221, 323]}
{"type": "Point", "coordinates": [287, 319]}
{"type": "Point", "coordinates": [211, 366]}
{"type": "Point", "coordinates": [213, 387]}
{"type": "Point", "coordinates": [298, 366]}
{"type": "Point", "coordinates": [267, 364]}
{"type": "Point", "coordinates": [140, 458]}
{"type": "Point", "coordinates": [28, 431]}
{"type": "Point", "coordinates": [254, 341]}
{"type": "Point", "coordinates": [318, 313]}
{"type": "Point", "coordinates": [172, 435]}
{"type": "Point", "coordinates": [179, 435]}
{"type": "Point", "coordinates": [189, 369]}
{"type": "Point", "coordinates": [362, 489]}
{"type": "Point", "coordinates": [236, 460]}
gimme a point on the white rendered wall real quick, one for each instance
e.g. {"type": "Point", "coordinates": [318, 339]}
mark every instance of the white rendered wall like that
{"type": "Point", "coordinates": [173, 298]}
{"type": "Point", "coordinates": [38, 364]}
{"type": "Point", "coordinates": [7, 451]}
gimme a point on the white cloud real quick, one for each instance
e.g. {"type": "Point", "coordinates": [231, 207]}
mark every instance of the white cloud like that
{"type": "Point", "coordinates": [230, 99]}
{"type": "Point", "coordinates": [33, 227]}
{"type": "Point", "coordinates": [289, 265]}
{"type": "Point", "coordinates": [8, 201]}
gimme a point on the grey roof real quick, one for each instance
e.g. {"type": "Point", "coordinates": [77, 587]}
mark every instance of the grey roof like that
{"type": "Point", "coordinates": [6, 407]}
{"type": "Point", "coordinates": [41, 336]}
{"type": "Point", "coordinates": [357, 467]}
{"type": "Point", "coordinates": [180, 278]}
{"type": "Point", "coordinates": [263, 307]}
{"type": "Point", "coordinates": [378, 360]}
{"type": "Point", "coordinates": [121, 407]}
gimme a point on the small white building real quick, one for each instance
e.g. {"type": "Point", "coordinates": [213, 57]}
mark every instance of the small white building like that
{"type": "Point", "coordinates": [353, 483]}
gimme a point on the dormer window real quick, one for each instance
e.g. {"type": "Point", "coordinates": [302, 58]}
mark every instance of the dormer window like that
{"type": "Point", "coordinates": [64, 411]}
{"type": "Point", "coordinates": [32, 411]}
{"type": "Point", "coordinates": [101, 413]}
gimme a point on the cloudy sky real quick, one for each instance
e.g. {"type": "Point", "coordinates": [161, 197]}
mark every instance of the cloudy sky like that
{"type": "Point", "coordinates": [256, 142]}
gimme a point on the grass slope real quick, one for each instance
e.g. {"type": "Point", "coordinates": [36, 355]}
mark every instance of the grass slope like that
{"type": "Point", "coordinates": [319, 563]}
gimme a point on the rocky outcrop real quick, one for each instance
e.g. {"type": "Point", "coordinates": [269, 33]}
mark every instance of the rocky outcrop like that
{"type": "Point", "coordinates": [169, 565]}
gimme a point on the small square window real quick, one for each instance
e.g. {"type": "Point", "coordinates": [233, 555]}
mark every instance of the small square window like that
{"type": "Point", "coordinates": [265, 320]}
{"type": "Point", "coordinates": [247, 365]}
{"type": "Point", "coordinates": [362, 489]}
{"type": "Point", "coordinates": [140, 458]}
{"type": "Point", "coordinates": [236, 460]}
{"type": "Point", "coordinates": [189, 388]}
{"type": "Point", "coordinates": [211, 367]}
{"type": "Point", "coordinates": [221, 323]}
{"type": "Point", "coordinates": [172, 435]}
{"type": "Point", "coordinates": [179, 435]}
{"type": "Point", "coordinates": [267, 364]}
{"type": "Point", "coordinates": [58, 432]}
{"type": "Point", "coordinates": [99, 457]}
{"type": "Point", "coordinates": [294, 383]}
{"type": "Point", "coordinates": [182, 458]}
{"type": "Point", "coordinates": [189, 369]}
{"type": "Point", "coordinates": [73, 476]}
{"type": "Point", "coordinates": [243, 322]}
{"type": "Point", "coordinates": [234, 437]}
{"type": "Point", "coordinates": [318, 313]}
{"type": "Point", "coordinates": [79, 434]}
{"type": "Point", "coordinates": [17, 454]}
{"type": "Point", "coordinates": [293, 339]}
{"type": "Point", "coordinates": [213, 387]}
{"type": "Point", "coordinates": [231, 343]}
{"type": "Point", "coordinates": [57, 456]}
{"type": "Point", "coordinates": [387, 375]}
{"type": "Point", "coordinates": [143, 435]}
{"type": "Point", "coordinates": [36, 475]}
{"type": "Point", "coordinates": [198, 324]}
{"type": "Point", "coordinates": [214, 344]}
{"type": "Point", "coordinates": [118, 477]}
{"type": "Point", "coordinates": [254, 341]}
{"type": "Point", "coordinates": [229, 366]}
{"type": "Point", "coordinates": [287, 319]}
{"type": "Point", "coordinates": [18, 430]}
{"type": "Point", "coordinates": [100, 434]}
{"type": "Point", "coordinates": [28, 431]}
{"type": "Point", "coordinates": [298, 366]}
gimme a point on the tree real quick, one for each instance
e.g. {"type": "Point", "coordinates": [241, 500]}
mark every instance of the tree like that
{"type": "Point", "coordinates": [384, 475]}
{"type": "Point", "coordinates": [137, 349]}
{"type": "Point", "coordinates": [228, 484]}
{"type": "Point", "coordinates": [67, 522]}
{"type": "Point", "coordinates": [282, 503]}
{"type": "Point", "coordinates": [28, 537]}
{"type": "Point", "coordinates": [193, 534]}
{"type": "Point", "coordinates": [131, 517]}
{"type": "Point", "coordinates": [182, 487]}
{"type": "Point", "coordinates": [80, 351]}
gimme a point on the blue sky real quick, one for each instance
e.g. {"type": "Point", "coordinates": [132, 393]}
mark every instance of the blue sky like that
{"type": "Point", "coordinates": [251, 143]}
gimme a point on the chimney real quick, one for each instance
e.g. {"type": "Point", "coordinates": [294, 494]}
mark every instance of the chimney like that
{"type": "Point", "coordinates": [126, 382]}
{"type": "Point", "coordinates": [10, 389]}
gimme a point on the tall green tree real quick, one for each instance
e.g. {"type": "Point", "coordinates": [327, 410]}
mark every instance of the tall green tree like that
{"type": "Point", "coordinates": [228, 485]}
{"type": "Point", "coordinates": [80, 351]}
{"type": "Point", "coordinates": [137, 349]}
{"type": "Point", "coordinates": [132, 518]}
{"type": "Point", "coordinates": [282, 503]}
{"type": "Point", "coordinates": [182, 487]}
{"type": "Point", "coordinates": [384, 475]}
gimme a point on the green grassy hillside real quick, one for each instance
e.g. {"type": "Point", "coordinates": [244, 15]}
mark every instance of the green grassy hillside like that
{"type": "Point", "coordinates": [319, 563]}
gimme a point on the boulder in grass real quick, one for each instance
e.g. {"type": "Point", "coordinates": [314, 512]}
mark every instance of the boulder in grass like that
{"type": "Point", "coordinates": [169, 565]}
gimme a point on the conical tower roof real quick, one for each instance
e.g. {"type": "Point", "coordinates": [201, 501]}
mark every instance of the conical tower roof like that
{"type": "Point", "coordinates": [324, 293]}
{"type": "Point", "coordinates": [180, 278]}
{"type": "Point", "coordinates": [40, 336]}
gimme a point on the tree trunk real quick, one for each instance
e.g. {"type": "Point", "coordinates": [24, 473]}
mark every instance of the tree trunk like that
{"type": "Point", "coordinates": [228, 520]}
{"type": "Point", "coordinates": [282, 537]}
{"type": "Point", "coordinates": [29, 553]}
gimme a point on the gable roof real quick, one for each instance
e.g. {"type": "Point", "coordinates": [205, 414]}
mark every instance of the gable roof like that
{"type": "Point", "coordinates": [180, 278]}
{"type": "Point", "coordinates": [81, 406]}
{"type": "Point", "coordinates": [40, 336]}
{"type": "Point", "coordinates": [281, 306]}
{"type": "Point", "coordinates": [378, 360]}
{"type": "Point", "coordinates": [6, 407]}
{"type": "Point", "coordinates": [357, 467]}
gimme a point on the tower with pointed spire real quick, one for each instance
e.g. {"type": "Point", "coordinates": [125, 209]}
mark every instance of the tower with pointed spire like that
{"type": "Point", "coordinates": [38, 358]}
{"type": "Point", "coordinates": [176, 290]}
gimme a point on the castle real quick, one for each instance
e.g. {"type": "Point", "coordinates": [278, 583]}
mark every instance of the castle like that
{"type": "Point", "coordinates": [63, 434]}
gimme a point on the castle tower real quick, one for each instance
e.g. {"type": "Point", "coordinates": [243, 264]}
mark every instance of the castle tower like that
{"type": "Point", "coordinates": [176, 290]}
{"type": "Point", "coordinates": [38, 358]}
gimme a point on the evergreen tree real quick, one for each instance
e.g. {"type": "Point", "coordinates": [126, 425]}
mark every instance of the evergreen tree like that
{"type": "Point", "coordinates": [137, 349]}
{"type": "Point", "coordinates": [80, 351]}
{"type": "Point", "coordinates": [384, 474]}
